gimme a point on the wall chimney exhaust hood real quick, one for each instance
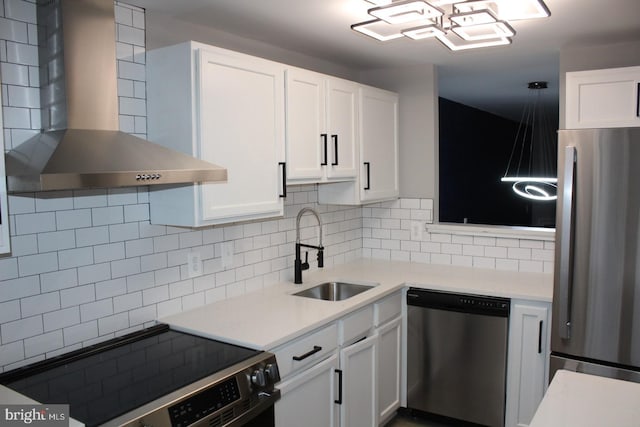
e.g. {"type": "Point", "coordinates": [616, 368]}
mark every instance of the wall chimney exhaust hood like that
{"type": "Point", "coordinates": [81, 146]}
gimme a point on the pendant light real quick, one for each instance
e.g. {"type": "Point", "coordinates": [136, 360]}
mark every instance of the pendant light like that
{"type": "Point", "coordinates": [532, 165]}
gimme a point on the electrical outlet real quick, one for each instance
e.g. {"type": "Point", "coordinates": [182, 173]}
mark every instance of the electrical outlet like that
{"type": "Point", "coordinates": [227, 254]}
{"type": "Point", "coordinates": [416, 230]}
{"type": "Point", "coordinates": [194, 264]}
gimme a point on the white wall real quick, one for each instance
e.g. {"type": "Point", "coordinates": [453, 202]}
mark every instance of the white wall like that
{"type": "Point", "coordinates": [166, 30]}
{"type": "Point", "coordinates": [624, 54]}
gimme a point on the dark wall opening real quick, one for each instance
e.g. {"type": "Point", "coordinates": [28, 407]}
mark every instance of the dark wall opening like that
{"type": "Point", "coordinates": [474, 151]}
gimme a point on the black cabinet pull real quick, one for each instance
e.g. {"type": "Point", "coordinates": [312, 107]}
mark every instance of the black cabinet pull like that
{"type": "Point", "coordinates": [335, 150]}
{"type": "Point", "coordinates": [284, 179]}
{"type": "Point", "coordinates": [638, 101]}
{"type": "Point", "coordinates": [324, 145]}
{"type": "Point", "coordinates": [316, 348]}
{"type": "Point", "coordinates": [339, 399]}
{"type": "Point", "coordinates": [540, 338]}
{"type": "Point", "coordinates": [368, 166]}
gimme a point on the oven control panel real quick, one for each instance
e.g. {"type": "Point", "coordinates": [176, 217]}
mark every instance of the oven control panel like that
{"type": "Point", "coordinates": [204, 403]}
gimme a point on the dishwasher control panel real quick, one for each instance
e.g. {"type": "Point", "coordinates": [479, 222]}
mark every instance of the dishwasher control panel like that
{"type": "Point", "coordinates": [475, 304]}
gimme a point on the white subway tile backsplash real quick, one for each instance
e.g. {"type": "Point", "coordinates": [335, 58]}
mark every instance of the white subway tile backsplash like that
{"type": "Point", "coordinates": [155, 295]}
{"type": "Point", "coordinates": [44, 343]}
{"type": "Point", "coordinates": [78, 295]}
{"type": "Point", "coordinates": [9, 311]}
{"type": "Point", "coordinates": [38, 304]}
{"type": "Point", "coordinates": [20, 53]}
{"type": "Point", "coordinates": [141, 315]}
{"type": "Point", "coordinates": [122, 196]}
{"type": "Point", "coordinates": [12, 352]}
{"type": "Point", "coordinates": [111, 324]}
{"type": "Point", "coordinates": [18, 31]}
{"type": "Point", "coordinates": [91, 236]}
{"type": "Point", "coordinates": [127, 302]}
{"type": "Point", "coordinates": [78, 333]}
{"type": "Point", "coordinates": [70, 258]}
{"type": "Point", "coordinates": [518, 253]}
{"type": "Point", "coordinates": [20, 245]}
{"type": "Point", "coordinates": [110, 288]}
{"type": "Point", "coordinates": [20, 10]}
{"type": "Point", "coordinates": [131, 71]}
{"type": "Point", "coordinates": [13, 74]}
{"type": "Point", "coordinates": [61, 318]}
{"type": "Point", "coordinates": [20, 329]}
{"type": "Point", "coordinates": [35, 223]}
{"type": "Point", "coordinates": [108, 252]}
{"type": "Point", "coordinates": [124, 15]}
{"type": "Point", "coordinates": [21, 204]}
{"type": "Point", "coordinates": [153, 262]}
{"type": "Point", "coordinates": [22, 96]}
{"type": "Point", "coordinates": [58, 280]}
{"type": "Point", "coordinates": [127, 267]}
{"type": "Point", "coordinates": [96, 310]}
{"type": "Point", "coordinates": [122, 232]}
{"type": "Point", "coordinates": [134, 248]}
{"type": "Point", "coordinates": [36, 264]}
{"type": "Point", "coordinates": [17, 117]}
{"type": "Point", "coordinates": [94, 273]}
{"type": "Point", "coordinates": [55, 240]}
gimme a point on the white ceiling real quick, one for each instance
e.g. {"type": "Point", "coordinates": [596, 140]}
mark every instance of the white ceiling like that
{"type": "Point", "coordinates": [493, 79]}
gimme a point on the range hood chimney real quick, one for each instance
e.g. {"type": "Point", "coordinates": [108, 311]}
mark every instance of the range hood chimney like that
{"type": "Point", "coordinates": [80, 145]}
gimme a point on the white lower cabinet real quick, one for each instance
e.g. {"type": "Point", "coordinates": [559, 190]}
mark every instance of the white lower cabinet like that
{"type": "Point", "coordinates": [528, 360]}
{"type": "Point", "coordinates": [359, 383]}
{"type": "Point", "coordinates": [389, 368]}
{"type": "Point", "coordinates": [308, 398]}
{"type": "Point", "coordinates": [347, 373]}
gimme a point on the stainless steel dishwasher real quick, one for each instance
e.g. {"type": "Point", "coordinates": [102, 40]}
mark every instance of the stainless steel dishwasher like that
{"type": "Point", "coordinates": [457, 356]}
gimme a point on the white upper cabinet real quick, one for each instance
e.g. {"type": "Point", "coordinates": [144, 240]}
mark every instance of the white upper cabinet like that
{"type": "Point", "coordinates": [377, 178]}
{"type": "Point", "coordinates": [226, 108]}
{"type": "Point", "coordinates": [603, 98]}
{"type": "Point", "coordinates": [321, 117]}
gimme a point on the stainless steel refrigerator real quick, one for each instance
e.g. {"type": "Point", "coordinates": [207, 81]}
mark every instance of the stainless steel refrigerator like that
{"type": "Point", "coordinates": [596, 299]}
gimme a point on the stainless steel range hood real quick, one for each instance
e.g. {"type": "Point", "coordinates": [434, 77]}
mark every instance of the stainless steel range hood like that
{"type": "Point", "coordinates": [81, 146]}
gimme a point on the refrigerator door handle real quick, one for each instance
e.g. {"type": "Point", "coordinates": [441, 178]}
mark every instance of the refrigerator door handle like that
{"type": "Point", "coordinates": [566, 239]}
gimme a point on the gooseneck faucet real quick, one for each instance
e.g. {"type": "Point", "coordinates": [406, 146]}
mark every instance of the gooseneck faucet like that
{"type": "Point", "coordinates": [298, 264]}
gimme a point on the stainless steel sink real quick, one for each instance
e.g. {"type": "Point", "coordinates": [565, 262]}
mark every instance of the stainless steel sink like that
{"type": "Point", "coordinates": [334, 291]}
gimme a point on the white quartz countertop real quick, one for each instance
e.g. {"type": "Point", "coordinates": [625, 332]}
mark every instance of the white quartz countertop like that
{"type": "Point", "coordinates": [581, 400]}
{"type": "Point", "coordinates": [270, 317]}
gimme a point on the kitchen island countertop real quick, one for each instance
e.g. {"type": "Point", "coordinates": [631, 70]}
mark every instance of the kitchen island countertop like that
{"type": "Point", "coordinates": [580, 400]}
{"type": "Point", "coordinates": [269, 317]}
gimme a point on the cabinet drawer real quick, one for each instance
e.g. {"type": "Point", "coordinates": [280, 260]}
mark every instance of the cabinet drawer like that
{"type": "Point", "coordinates": [355, 326]}
{"type": "Point", "coordinates": [387, 308]}
{"type": "Point", "coordinates": [307, 350]}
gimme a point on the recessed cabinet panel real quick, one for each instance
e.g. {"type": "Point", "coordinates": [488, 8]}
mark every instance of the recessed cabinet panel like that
{"type": "Point", "coordinates": [341, 124]}
{"type": "Point", "coordinates": [240, 118]}
{"type": "Point", "coordinates": [226, 108]}
{"type": "Point", "coordinates": [379, 144]}
{"type": "Point", "coordinates": [321, 123]}
{"type": "Point", "coordinates": [603, 98]}
{"type": "Point", "coordinates": [305, 125]}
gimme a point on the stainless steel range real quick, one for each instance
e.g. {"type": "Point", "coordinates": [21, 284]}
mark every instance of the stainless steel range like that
{"type": "Point", "coordinates": [158, 377]}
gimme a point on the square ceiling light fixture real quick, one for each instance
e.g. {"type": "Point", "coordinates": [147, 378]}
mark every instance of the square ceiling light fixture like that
{"type": "Point", "coordinates": [459, 25]}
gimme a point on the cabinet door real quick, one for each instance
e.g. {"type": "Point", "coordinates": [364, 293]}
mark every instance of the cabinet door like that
{"type": "Point", "coordinates": [308, 398]}
{"type": "Point", "coordinates": [342, 106]}
{"type": "Point", "coordinates": [527, 367]}
{"type": "Point", "coordinates": [241, 126]}
{"type": "Point", "coordinates": [389, 368]}
{"type": "Point", "coordinates": [378, 144]}
{"type": "Point", "coordinates": [359, 392]}
{"type": "Point", "coordinates": [603, 98]}
{"type": "Point", "coordinates": [306, 127]}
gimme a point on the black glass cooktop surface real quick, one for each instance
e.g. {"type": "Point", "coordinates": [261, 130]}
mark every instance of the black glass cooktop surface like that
{"type": "Point", "coordinates": [106, 381]}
